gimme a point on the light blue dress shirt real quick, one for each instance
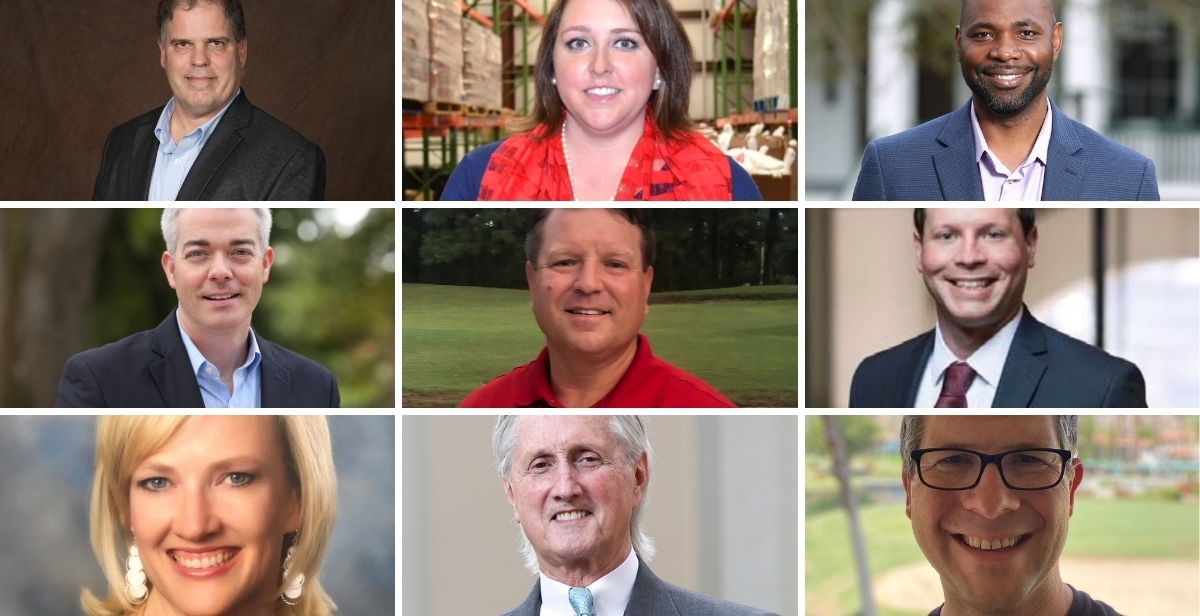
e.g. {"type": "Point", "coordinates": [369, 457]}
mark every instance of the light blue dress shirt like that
{"type": "Point", "coordinates": [247, 381]}
{"type": "Point", "coordinates": [175, 160]}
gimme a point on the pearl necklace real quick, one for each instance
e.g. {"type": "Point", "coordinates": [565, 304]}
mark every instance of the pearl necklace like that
{"type": "Point", "coordinates": [570, 174]}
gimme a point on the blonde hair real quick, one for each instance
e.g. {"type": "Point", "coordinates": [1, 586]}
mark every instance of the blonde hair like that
{"type": "Point", "coordinates": [123, 442]}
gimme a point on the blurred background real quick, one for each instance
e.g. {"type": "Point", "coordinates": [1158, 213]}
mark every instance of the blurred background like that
{"type": "Point", "coordinates": [76, 279]}
{"type": "Point", "coordinates": [722, 511]}
{"type": "Point", "coordinates": [1129, 69]}
{"type": "Point", "coordinates": [46, 466]}
{"type": "Point", "coordinates": [858, 259]}
{"type": "Point", "coordinates": [1134, 539]}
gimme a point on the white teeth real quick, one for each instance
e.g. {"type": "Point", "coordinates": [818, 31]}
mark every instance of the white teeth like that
{"type": "Point", "coordinates": [220, 296]}
{"type": "Point", "coordinates": [602, 91]}
{"type": "Point", "coordinates": [985, 544]}
{"type": "Point", "coordinates": [971, 284]}
{"type": "Point", "coordinates": [588, 311]}
{"type": "Point", "coordinates": [202, 563]}
{"type": "Point", "coordinates": [570, 515]}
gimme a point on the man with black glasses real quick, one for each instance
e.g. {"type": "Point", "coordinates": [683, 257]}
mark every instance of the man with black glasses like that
{"type": "Point", "coordinates": [990, 499]}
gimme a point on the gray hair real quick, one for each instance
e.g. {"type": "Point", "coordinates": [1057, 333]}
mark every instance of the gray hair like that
{"type": "Point", "coordinates": [630, 434]}
{"type": "Point", "coordinates": [233, 14]}
{"type": "Point", "coordinates": [170, 227]}
{"type": "Point", "coordinates": [912, 428]}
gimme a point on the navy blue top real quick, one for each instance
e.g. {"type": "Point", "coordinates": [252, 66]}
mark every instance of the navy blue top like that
{"type": "Point", "coordinates": [464, 181]}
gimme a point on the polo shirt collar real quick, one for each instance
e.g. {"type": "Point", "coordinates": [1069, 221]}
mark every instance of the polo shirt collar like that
{"type": "Point", "coordinates": [536, 384]}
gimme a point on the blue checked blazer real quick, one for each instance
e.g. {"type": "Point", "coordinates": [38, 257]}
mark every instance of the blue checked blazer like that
{"type": "Point", "coordinates": [936, 162]}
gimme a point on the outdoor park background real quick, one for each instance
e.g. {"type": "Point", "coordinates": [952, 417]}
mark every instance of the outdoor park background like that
{"type": "Point", "coordinates": [1133, 541]}
{"type": "Point", "coordinates": [724, 301]}
{"type": "Point", "coordinates": [75, 279]}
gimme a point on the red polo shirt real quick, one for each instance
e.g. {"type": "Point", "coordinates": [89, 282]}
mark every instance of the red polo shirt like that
{"type": "Point", "coordinates": [649, 382]}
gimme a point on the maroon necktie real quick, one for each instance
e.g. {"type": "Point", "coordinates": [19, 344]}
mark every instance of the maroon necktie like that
{"type": "Point", "coordinates": [955, 383]}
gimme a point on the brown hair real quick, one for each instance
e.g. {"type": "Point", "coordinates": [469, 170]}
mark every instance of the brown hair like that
{"type": "Point", "coordinates": [634, 216]}
{"type": "Point", "coordinates": [668, 43]}
{"type": "Point", "coordinates": [233, 13]}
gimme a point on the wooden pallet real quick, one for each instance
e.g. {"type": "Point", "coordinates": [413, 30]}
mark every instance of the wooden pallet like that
{"type": "Point", "coordinates": [444, 108]}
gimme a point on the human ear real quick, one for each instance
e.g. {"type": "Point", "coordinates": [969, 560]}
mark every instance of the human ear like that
{"type": "Point", "coordinates": [168, 265]}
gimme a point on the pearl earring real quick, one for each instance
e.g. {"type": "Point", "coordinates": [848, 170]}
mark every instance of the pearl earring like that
{"type": "Point", "coordinates": [135, 579]}
{"type": "Point", "coordinates": [554, 81]}
{"type": "Point", "coordinates": [657, 82]}
{"type": "Point", "coordinates": [291, 595]}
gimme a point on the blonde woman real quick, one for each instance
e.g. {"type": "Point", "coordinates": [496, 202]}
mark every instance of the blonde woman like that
{"type": "Point", "coordinates": [212, 515]}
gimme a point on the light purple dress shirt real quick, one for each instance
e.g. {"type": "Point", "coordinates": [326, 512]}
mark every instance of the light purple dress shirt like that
{"type": "Point", "coordinates": [1023, 184]}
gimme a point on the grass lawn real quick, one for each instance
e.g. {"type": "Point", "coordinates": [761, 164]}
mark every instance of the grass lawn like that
{"type": "Point", "coordinates": [1138, 528]}
{"type": "Point", "coordinates": [458, 338]}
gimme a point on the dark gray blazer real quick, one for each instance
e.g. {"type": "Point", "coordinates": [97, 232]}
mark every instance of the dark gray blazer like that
{"type": "Point", "coordinates": [152, 369]}
{"type": "Point", "coordinates": [936, 162]}
{"type": "Point", "coordinates": [654, 597]}
{"type": "Point", "coordinates": [1044, 368]}
{"type": "Point", "coordinates": [251, 156]}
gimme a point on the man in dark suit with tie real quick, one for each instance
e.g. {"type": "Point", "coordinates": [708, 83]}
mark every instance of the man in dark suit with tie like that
{"type": "Point", "coordinates": [204, 354]}
{"type": "Point", "coordinates": [1009, 142]}
{"type": "Point", "coordinates": [987, 350]}
{"type": "Point", "coordinates": [576, 485]}
{"type": "Point", "coordinates": [208, 142]}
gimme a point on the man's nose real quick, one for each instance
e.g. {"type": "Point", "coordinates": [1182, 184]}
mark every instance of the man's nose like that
{"type": "Point", "coordinates": [990, 498]}
{"type": "Point", "coordinates": [199, 55]}
{"type": "Point", "coordinates": [969, 252]}
{"type": "Point", "coordinates": [220, 269]}
{"type": "Point", "coordinates": [566, 482]}
{"type": "Point", "coordinates": [589, 277]}
{"type": "Point", "coordinates": [1005, 49]}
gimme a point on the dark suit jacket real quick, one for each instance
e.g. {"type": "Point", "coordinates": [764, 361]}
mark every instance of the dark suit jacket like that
{"type": "Point", "coordinates": [1044, 368]}
{"type": "Point", "coordinates": [250, 156]}
{"type": "Point", "coordinates": [936, 162]}
{"type": "Point", "coordinates": [654, 597]}
{"type": "Point", "coordinates": [152, 369]}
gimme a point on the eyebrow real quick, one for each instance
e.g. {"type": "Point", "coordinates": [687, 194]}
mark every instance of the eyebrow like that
{"type": "Point", "coordinates": [206, 244]}
{"type": "Point", "coordinates": [1023, 23]}
{"type": "Point", "coordinates": [223, 39]}
{"type": "Point", "coordinates": [1025, 445]}
{"type": "Point", "coordinates": [219, 465]}
{"type": "Point", "coordinates": [588, 29]}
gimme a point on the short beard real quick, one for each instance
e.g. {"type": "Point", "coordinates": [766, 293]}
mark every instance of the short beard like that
{"type": "Point", "coordinates": [992, 100]}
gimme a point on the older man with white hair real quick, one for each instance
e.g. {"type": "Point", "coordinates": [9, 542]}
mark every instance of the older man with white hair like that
{"type": "Point", "coordinates": [577, 486]}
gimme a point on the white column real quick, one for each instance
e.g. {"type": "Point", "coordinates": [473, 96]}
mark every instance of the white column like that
{"type": "Point", "coordinates": [891, 71]}
{"type": "Point", "coordinates": [1086, 63]}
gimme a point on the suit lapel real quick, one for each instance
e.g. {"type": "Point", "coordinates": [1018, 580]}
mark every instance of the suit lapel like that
{"type": "Point", "coordinates": [650, 596]}
{"type": "Point", "coordinates": [274, 378]}
{"type": "Point", "coordinates": [173, 372]}
{"type": "Point", "coordinates": [910, 377]}
{"type": "Point", "coordinates": [224, 139]}
{"type": "Point", "coordinates": [1023, 368]}
{"type": "Point", "coordinates": [956, 168]}
{"type": "Point", "coordinates": [145, 149]}
{"type": "Point", "coordinates": [1064, 167]}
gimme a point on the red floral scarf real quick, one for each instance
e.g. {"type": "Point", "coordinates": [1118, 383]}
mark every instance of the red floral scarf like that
{"type": "Point", "coordinates": [658, 170]}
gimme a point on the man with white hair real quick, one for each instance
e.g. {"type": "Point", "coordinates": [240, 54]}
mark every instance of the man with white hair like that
{"type": "Point", "coordinates": [204, 354]}
{"type": "Point", "coordinates": [577, 486]}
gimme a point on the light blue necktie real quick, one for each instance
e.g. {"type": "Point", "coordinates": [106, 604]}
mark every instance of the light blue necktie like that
{"type": "Point", "coordinates": [581, 600]}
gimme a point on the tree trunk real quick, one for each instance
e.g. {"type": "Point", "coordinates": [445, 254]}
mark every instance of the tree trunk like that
{"type": "Point", "coordinates": [48, 260]}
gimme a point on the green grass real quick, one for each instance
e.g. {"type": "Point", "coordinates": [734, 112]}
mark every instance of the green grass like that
{"type": "Point", "coordinates": [458, 338]}
{"type": "Point", "coordinates": [1099, 528]}
{"type": "Point", "coordinates": [735, 293]}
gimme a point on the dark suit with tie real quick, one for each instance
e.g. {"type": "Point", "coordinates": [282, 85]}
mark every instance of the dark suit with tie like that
{"type": "Point", "coordinates": [936, 162]}
{"type": "Point", "coordinates": [654, 597]}
{"type": "Point", "coordinates": [1044, 368]}
{"type": "Point", "coordinates": [152, 369]}
{"type": "Point", "coordinates": [250, 156]}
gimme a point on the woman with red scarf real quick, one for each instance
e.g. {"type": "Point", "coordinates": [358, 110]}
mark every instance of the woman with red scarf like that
{"type": "Point", "coordinates": [610, 119]}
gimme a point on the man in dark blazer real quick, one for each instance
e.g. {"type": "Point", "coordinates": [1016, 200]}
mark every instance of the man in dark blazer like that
{"type": "Point", "coordinates": [205, 353]}
{"type": "Point", "coordinates": [987, 350]}
{"type": "Point", "coordinates": [995, 146]}
{"type": "Point", "coordinates": [576, 485]}
{"type": "Point", "coordinates": [208, 142]}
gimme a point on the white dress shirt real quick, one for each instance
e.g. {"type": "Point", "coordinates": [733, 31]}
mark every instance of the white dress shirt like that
{"type": "Point", "coordinates": [610, 594]}
{"type": "Point", "coordinates": [987, 361]}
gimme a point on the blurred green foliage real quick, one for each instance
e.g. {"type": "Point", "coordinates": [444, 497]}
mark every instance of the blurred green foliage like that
{"type": "Point", "coordinates": [330, 297]}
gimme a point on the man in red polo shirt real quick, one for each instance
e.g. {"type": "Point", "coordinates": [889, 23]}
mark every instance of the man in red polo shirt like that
{"type": "Point", "coordinates": [589, 274]}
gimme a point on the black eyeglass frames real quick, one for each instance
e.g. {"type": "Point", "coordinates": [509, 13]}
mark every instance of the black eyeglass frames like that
{"type": "Point", "coordinates": [962, 469]}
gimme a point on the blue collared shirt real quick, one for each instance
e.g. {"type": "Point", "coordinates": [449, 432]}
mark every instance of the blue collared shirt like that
{"type": "Point", "coordinates": [175, 160]}
{"type": "Point", "coordinates": [247, 382]}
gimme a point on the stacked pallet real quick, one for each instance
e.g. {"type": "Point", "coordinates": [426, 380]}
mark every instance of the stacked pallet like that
{"type": "Point", "coordinates": [414, 50]}
{"type": "Point", "coordinates": [771, 85]}
{"type": "Point", "coordinates": [481, 67]}
{"type": "Point", "coordinates": [445, 52]}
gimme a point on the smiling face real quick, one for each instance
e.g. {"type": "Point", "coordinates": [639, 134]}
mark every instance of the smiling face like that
{"type": "Point", "coordinates": [573, 494]}
{"type": "Point", "coordinates": [604, 69]}
{"type": "Point", "coordinates": [209, 511]}
{"type": "Point", "coordinates": [975, 262]}
{"type": "Point", "coordinates": [588, 291]}
{"type": "Point", "coordinates": [1031, 524]}
{"type": "Point", "coordinates": [218, 269]}
{"type": "Point", "coordinates": [202, 60]}
{"type": "Point", "coordinates": [1006, 49]}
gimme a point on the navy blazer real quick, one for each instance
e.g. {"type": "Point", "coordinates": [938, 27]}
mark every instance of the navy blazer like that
{"type": "Point", "coordinates": [936, 162]}
{"type": "Point", "coordinates": [653, 597]}
{"type": "Point", "coordinates": [152, 369]}
{"type": "Point", "coordinates": [250, 156]}
{"type": "Point", "coordinates": [1044, 368]}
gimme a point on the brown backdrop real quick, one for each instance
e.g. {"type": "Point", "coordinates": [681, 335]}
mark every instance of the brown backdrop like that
{"type": "Point", "coordinates": [72, 70]}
